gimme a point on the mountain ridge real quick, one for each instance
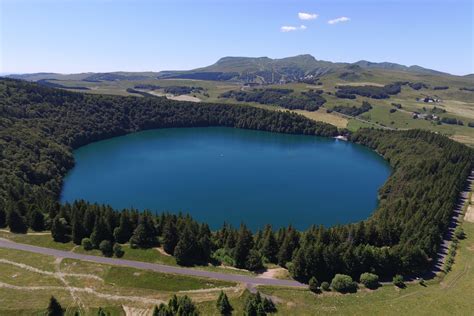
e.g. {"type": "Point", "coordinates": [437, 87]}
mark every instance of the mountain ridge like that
{"type": "Point", "coordinates": [261, 70]}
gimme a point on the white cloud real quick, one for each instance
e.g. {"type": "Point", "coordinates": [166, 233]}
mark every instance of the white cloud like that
{"type": "Point", "coordinates": [292, 28]}
{"type": "Point", "coordinates": [339, 20]}
{"type": "Point", "coordinates": [307, 16]}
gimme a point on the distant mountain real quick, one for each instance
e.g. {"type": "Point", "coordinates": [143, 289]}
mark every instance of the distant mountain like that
{"type": "Point", "coordinates": [262, 70]}
{"type": "Point", "coordinates": [267, 70]}
{"type": "Point", "coordinates": [258, 69]}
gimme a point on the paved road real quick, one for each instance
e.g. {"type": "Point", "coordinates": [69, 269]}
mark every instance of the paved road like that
{"type": "Point", "coordinates": [249, 280]}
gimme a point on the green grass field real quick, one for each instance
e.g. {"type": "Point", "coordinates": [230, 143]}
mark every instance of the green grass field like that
{"type": "Point", "coordinates": [458, 104]}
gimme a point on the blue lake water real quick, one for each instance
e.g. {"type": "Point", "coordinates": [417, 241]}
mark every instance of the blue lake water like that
{"type": "Point", "coordinates": [223, 174]}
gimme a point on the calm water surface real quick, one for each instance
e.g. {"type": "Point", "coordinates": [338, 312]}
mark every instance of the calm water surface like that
{"type": "Point", "coordinates": [224, 174]}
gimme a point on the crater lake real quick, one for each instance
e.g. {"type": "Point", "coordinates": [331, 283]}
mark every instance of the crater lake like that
{"type": "Point", "coordinates": [219, 174]}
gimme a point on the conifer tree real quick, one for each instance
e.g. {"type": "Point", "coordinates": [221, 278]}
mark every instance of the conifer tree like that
{"type": "Point", "coordinates": [170, 236]}
{"type": "Point", "coordinates": [77, 231]}
{"type": "Point", "coordinates": [243, 246]}
{"type": "Point", "coordinates": [3, 217]}
{"type": "Point", "coordinates": [270, 245]}
{"type": "Point", "coordinates": [123, 232]}
{"type": "Point", "coordinates": [54, 308]}
{"type": "Point", "coordinates": [185, 251]}
{"type": "Point", "coordinates": [223, 304]}
{"type": "Point", "coordinates": [36, 221]}
{"type": "Point", "coordinates": [16, 222]}
{"type": "Point", "coordinates": [99, 233]}
{"type": "Point", "coordinates": [59, 229]}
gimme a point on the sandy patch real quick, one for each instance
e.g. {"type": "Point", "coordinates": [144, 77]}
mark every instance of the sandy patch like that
{"type": "Point", "coordinates": [469, 217]}
{"type": "Point", "coordinates": [133, 311]}
{"type": "Point", "coordinates": [275, 273]}
{"type": "Point", "coordinates": [163, 252]}
{"type": "Point", "coordinates": [184, 97]}
{"type": "Point", "coordinates": [322, 116]}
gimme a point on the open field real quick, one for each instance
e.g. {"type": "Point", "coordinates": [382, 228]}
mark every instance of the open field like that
{"type": "Point", "coordinates": [457, 103]}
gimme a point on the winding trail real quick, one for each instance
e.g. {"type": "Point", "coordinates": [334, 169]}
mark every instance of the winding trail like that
{"type": "Point", "coordinates": [249, 280]}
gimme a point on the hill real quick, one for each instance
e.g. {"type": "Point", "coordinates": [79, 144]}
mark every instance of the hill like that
{"type": "Point", "coordinates": [261, 70]}
{"type": "Point", "coordinates": [267, 71]}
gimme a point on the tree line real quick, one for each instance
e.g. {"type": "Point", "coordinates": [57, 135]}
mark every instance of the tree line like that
{"type": "Point", "coordinates": [308, 100]}
{"type": "Point", "coordinates": [374, 92]}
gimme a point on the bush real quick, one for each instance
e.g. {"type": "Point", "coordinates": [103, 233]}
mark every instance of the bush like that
{"type": "Point", "coordinates": [106, 247]}
{"type": "Point", "coordinates": [398, 281]}
{"type": "Point", "coordinates": [313, 285]}
{"type": "Point", "coordinates": [369, 280]}
{"type": "Point", "coordinates": [325, 286]}
{"type": "Point", "coordinates": [343, 283]}
{"type": "Point", "coordinates": [118, 251]}
{"type": "Point", "coordinates": [86, 244]}
{"type": "Point", "coordinates": [459, 233]}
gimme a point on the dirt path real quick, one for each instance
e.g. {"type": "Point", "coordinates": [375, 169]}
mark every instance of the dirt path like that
{"type": "Point", "coordinates": [84, 290]}
{"type": "Point", "coordinates": [49, 273]}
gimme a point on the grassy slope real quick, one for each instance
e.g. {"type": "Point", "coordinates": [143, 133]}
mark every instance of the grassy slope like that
{"type": "Point", "coordinates": [458, 104]}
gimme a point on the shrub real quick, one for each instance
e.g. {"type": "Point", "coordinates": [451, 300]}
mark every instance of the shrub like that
{"type": "Point", "coordinates": [86, 244]}
{"type": "Point", "coordinates": [325, 286]}
{"type": "Point", "coordinates": [398, 281]}
{"type": "Point", "coordinates": [459, 233]}
{"type": "Point", "coordinates": [369, 280]}
{"type": "Point", "coordinates": [106, 247]}
{"type": "Point", "coordinates": [118, 251]}
{"type": "Point", "coordinates": [313, 285]}
{"type": "Point", "coordinates": [343, 283]}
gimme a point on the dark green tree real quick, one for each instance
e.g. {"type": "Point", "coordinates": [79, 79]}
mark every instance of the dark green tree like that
{"type": "Point", "coordinates": [99, 233]}
{"type": "Point", "coordinates": [54, 308]}
{"type": "Point", "coordinates": [185, 251]}
{"type": "Point", "coordinates": [78, 231]}
{"type": "Point", "coordinates": [36, 221]}
{"type": "Point", "coordinates": [254, 261]}
{"type": "Point", "coordinates": [243, 246]}
{"type": "Point", "coordinates": [3, 217]}
{"type": "Point", "coordinates": [269, 245]}
{"type": "Point", "coordinates": [16, 222]}
{"type": "Point", "coordinates": [124, 231]}
{"type": "Point", "coordinates": [223, 304]}
{"type": "Point", "coordinates": [144, 236]}
{"type": "Point", "coordinates": [290, 244]}
{"type": "Point", "coordinates": [60, 229]}
{"type": "Point", "coordinates": [162, 310]}
{"type": "Point", "coordinates": [170, 236]}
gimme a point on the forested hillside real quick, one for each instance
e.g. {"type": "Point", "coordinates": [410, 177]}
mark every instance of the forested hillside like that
{"type": "Point", "coordinates": [39, 127]}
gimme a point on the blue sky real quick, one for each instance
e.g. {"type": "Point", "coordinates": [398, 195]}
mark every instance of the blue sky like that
{"type": "Point", "coordinates": [104, 35]}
